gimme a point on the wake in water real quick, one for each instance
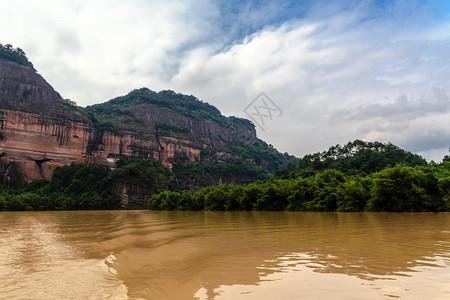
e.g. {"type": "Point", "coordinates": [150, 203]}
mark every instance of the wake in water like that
{"type": "Point", "coordinates": [36, 263]}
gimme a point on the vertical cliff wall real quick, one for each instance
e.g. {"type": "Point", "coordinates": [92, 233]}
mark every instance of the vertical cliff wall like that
{"type": "Point", "coordinates": [31, 147]}
{"type": "Point", "coordinates": [38, 131]}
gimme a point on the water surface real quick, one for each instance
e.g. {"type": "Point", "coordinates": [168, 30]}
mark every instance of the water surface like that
{"type": "Point", "coordinates": [224, 255]}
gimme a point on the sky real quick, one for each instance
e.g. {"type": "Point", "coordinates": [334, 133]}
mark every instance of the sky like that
{"type": "Point", "coordinates": [333, 71]}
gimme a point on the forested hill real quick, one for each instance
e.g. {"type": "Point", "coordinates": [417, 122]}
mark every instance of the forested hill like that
{"type": "Point", "coordinates": [149, 114]}
{"type": "Point", "coordinates": [354, 158]}
{"type": "Point", "coordinates": [186, 105]}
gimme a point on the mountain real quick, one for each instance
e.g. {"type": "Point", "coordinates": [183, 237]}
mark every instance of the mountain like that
{"type": "Point", "coordinates": [39, 131]}
{"type": "Point", "coordinates": [168, 126]}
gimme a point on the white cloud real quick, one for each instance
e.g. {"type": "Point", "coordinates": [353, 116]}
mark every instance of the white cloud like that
{"type": "Point", "coordinates": [92, 51]}
{"type": "Point", "coordinates": [320, 72]}
{"type": "Point", "coordinates": [339, 72]}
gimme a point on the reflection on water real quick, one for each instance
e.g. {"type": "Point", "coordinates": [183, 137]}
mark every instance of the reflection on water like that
{"type": "Point", "coordinates": [36, 263]}
{"type": "Point", "coordinates": [224, 255]}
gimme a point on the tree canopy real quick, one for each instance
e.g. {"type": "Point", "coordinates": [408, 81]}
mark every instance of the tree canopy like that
{"type": "Point", "coordinates": [186, 105]}
{"type": "Point", "coordinates": [16, 55]}
{"type": "Point", "coordinates": [354, 158]}
{"type": "Point", "coordinates": [397, 187]}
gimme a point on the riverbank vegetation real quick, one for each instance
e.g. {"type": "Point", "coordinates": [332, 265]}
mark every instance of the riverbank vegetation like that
{"type": "Point", "coordinates": [397, 189]}
{"type": "Point", "coordinates": [358, 176]}
{"type": "Point", "coordinates": [85, 187]}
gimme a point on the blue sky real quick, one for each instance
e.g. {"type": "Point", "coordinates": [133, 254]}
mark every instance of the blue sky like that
{"type": "Point", "coordinates": [339, 70]}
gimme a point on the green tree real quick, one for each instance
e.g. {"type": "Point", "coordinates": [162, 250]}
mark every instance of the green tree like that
{"type": "Point", "coordinates": [354, 195]}
{"type": "Point", "coordinates": [405, 189]}
{"type": "Point", "coordinates": [16, 55]}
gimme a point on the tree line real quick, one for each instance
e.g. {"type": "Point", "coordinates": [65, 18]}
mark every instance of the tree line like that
{"type": "Point", "coordinates": [95, 186]}
{"type": "Point", "coordinates": [359, 176]}
{"type": "Point", "coordinates": [398, 189]}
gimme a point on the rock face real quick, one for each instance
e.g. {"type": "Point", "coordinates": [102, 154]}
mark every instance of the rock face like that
{"type": "Point", "coordinates": [39, 131]}
{"type": "Point", "coordinates": [21, 88]}
{"type": "Point", "coordinates": [32, 146]}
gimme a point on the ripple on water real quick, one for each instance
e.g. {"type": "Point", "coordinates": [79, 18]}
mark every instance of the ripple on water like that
{"type": "Point", "coordinates": [224, 255]}
{"type": "Point", "coordinates": [36, 264]}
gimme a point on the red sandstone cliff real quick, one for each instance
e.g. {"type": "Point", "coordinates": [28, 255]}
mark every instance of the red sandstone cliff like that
{"type": "Point", "coordinates": [39, 131]}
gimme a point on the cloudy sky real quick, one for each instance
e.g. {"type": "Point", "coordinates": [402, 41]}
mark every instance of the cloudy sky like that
{"type": "Point", "coordinates": [338, 70]}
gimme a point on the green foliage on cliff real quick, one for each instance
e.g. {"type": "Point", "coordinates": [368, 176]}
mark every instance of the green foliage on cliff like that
{"type": "Point", "coordinates": [186, 176]}
{"type": "Point", "coordinates": [167, 129]}
{"type": "Point", "coordinates": [16, 55]}
{"type": "Point", "coordinates": [262, 154]}
{"type": "Point", "coordinates": [121, 115]}
{"type": "Point", "coordinates": [185, 105]}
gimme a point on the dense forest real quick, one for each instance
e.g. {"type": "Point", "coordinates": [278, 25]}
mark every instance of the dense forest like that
{"type": "Point", "coordinates": [355, 158]}
{"type": "Point", "coordinates": [95, 186]}
{"type": "Point", "coordinates": [396, 189]}
{"type": "Point", "coordinates": [359, 176]}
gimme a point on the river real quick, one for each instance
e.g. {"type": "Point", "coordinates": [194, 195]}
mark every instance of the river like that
{"type": "Point", "coordinates": [224, 255]}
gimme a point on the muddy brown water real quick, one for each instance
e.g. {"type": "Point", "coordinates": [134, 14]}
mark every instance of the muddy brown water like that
{"type": "Point", "coordinates": [224, 255]}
